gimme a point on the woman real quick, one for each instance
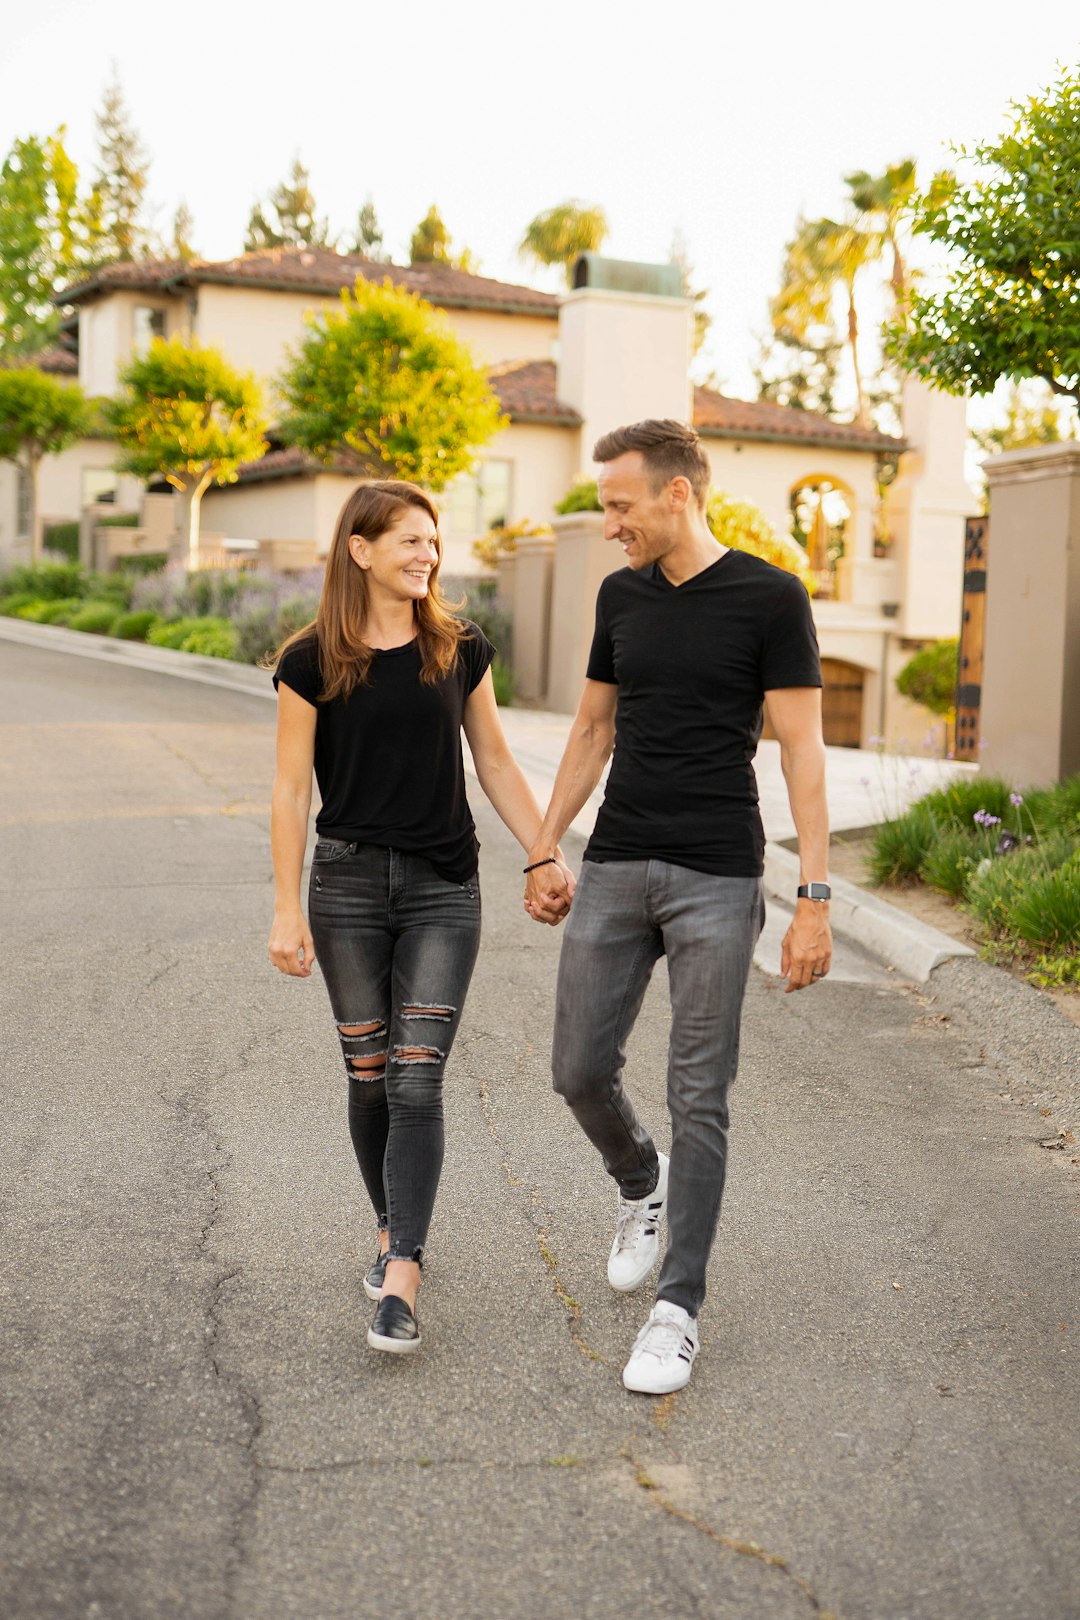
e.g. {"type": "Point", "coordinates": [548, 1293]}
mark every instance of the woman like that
{"type": "Point", "coordinates": [374, 695]}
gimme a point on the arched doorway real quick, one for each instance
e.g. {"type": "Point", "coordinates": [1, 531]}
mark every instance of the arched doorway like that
{"type": "Point", "coordinates": [822, 508]}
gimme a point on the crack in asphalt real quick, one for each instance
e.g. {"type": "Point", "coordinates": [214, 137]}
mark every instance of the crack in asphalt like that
{"type": "Point", "coordinates": [570, 1306]}
{"type": "Point", "coordinates": [744, 1549]}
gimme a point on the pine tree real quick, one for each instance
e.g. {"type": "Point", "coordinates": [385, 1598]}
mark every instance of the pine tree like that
{"type": "Point", "coordinates": [183, 224]}
{"type": "Point", "coordinates": [288, 218]}
{"type": "Point", "coordinates": [113, 223]}
{"type": "Point", "coordinates": [369, 236]}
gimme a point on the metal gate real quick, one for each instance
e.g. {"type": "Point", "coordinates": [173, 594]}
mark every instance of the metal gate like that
{"type": "Point", "coordinates": [972, 632]}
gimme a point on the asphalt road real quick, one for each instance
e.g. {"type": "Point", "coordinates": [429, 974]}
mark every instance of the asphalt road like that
{"type": "Point", "coordinates": [882, 1420]}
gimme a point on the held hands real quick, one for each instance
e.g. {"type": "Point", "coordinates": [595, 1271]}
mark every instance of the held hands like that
{"type": "Point", "coordinates": [291, 947]}
{"type": "Point", "coordinates": [806, 954]}
{"type": "Point", "coordinates": [549, 891]}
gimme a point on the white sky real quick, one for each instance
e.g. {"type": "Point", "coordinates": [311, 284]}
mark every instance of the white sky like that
{"type": "Point", "coordinates": [723, 120]}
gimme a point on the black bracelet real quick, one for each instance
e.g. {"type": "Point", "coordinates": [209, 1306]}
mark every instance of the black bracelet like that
{"type": "Point", "coordinates": [550, 860]}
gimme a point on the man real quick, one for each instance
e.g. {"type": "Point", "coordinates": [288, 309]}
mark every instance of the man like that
{"type": "Point", "coordinates": [690, 640]}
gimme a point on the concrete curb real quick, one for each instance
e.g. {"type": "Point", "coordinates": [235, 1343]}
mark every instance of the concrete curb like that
{"type": "Point", "coordinates": [912, 947]}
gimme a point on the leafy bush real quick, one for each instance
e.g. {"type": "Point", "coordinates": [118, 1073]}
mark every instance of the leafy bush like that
{"type": "Point", "coordinates": [256, 637]}
{"type": "Point", "coordinates": [176, 632]}
{"type": "Point", "coordinates": [96, 617]}
{"type": "Point", "coordinates": [143, 562]}
{"type": "Point", "coordinates": [214, 639]}
{"type": "Point", "coordinates": [950, 861]}
{"type": "Point", "coordinates": [134, 626]}
{"type": "Point", "coordinates": [930, 677]}
{"type": "Point", "coordinates": [12, 606]}
{"type": "Point", "coordinates": [502, 678]}
{"type": "Point", "coordinates": [122, 520]}
{"type": "Point", "coordinates": [900, 846]}
{"type": "Point", "coordinates": [62, 539]}
{"type": "Point", "coordinates": [745, 527]}
{"type": "Point", "coordinates": [958, 802]}
{"type": "Point", "coordinates": [46, 580]}
{"type": "Point", "coordinates": [52, 612]}
{"type": "Point", "coordinates": [582, 496]}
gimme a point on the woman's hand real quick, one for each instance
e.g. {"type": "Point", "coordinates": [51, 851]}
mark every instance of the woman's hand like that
{"type": "Point", "coordinates": [549, 892]}
{"type": "Point", "coordinates": [291, 947]}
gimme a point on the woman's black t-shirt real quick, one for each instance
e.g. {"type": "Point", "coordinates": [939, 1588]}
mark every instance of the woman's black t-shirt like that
{"type": "Point", "coordinates": [388, 757]}
{"type": "Point", "coordinates": [692, 663]}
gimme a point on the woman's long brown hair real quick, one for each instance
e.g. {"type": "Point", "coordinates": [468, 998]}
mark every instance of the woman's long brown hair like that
{"type": "Point", "coordinates": [344, 656]}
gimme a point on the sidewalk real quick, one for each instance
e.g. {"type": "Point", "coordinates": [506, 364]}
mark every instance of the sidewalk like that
{"type": "Point", "coordinates": [863, 786]}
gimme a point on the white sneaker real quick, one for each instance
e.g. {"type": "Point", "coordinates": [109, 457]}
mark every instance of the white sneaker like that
{"type": "Point", "coordinates": [663, 1352]}
{"type": "Point", "coordinates": [637, 1235]}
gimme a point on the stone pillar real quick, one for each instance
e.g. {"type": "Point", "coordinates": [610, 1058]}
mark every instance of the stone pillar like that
{"type": "Point", "coordinates": [927, 504]}
{"type": "Point", "coordinates": [1030, 712]}
{"type": "Point", "coordinates": [583, 558]}
{"type": "Point", "coordinates": [530, 609]}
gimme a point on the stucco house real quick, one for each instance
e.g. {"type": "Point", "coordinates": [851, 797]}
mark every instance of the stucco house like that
{"type": "Point", "coordinates": [615, 347]}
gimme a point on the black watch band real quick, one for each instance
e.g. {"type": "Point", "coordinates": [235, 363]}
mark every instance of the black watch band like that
{"type": "Point", "coordinates": [814, 891]}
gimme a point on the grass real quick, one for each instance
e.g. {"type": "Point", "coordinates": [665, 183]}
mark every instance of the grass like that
{"type": "Point", "coordinates": [1011, 860]}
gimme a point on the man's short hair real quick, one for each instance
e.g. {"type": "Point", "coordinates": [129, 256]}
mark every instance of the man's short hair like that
{"type": "Point", "coordinates": [669, 449]}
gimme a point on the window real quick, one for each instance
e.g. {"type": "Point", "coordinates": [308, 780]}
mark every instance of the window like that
{"type": "Point", "coordinates": [22, 503]}
{"type": "Point", "coordinates": [98, 484]}
{"type": "Point", "coordinates": [478, 501]}
{"type": "Point", "coordinates": [149, 324]}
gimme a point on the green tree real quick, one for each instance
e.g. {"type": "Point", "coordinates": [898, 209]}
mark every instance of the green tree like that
{"type": "Point", "coordinates": [560, 234]}
{"type": "Point", "coordinates": [802, 375]}
{"type": "Point", "coordinates": [384, 379]}
{"type": "Point", "coordinates": [883, 200]}
{"type": "Point", "coordinates": [112, 216]}
{"type": "Point", "coordinates": [289, 218]}
{"type": "Point", "coordinates": [1009, 305]}
{"type": "Point", "coordinates": [183, 225]}
{"type": "Point", "coordinates": [825, 256]}
{"type": "Point", "coordinates": [431, 244]}
{"type": "Point", "coordinates": [369, 237]}
{"type": "Point", "coordinates": [39, 416]}
{"type": "Point", "coordinates": [37, 235]}
{"type": "Point", "coordinates": [702, 319]}
{"type": "Point", "coordinates": [1033, 415]}
{"type": "Point", "coordinates": [185, 414]}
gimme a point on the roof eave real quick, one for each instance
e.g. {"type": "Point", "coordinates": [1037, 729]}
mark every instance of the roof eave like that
{"type": "Point", "coordinates": [814, 441]}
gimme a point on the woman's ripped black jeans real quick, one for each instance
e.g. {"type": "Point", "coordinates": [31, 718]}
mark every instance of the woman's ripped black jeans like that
{"type": "Point", "coordinates": [397, 944]}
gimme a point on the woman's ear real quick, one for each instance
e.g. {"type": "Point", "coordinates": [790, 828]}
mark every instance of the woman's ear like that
{"type": "Point", "coordinates": [358, 550]}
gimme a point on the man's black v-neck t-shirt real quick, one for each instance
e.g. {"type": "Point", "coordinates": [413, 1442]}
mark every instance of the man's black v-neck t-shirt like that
{"type": "Point", "coordinates": [692, 664]}
{"type": "Point", "coordinates": [388, 757]}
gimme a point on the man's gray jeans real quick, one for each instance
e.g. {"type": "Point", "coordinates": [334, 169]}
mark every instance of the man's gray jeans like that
{"type": "Point", "coordinates": [625, 916]}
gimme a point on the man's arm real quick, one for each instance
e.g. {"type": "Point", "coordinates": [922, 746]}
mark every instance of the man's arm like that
{"type": "Point", "coordinates": [588, 748]}
{"type": "Point", "coordinates": [795, 713]}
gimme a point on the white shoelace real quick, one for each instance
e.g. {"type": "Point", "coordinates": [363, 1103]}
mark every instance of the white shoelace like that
{"type": "Point", "coordinates": [632, 1224]}
{"type": "Point", "coordinates": [659, 1339]}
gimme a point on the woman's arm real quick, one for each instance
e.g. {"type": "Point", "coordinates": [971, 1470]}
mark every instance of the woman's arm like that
{"type": "Point", "coordinates": [291, 947]}
{"type": "Point", "coordinates": [503, 780]}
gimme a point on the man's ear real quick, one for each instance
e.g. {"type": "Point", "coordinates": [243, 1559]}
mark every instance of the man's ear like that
{"type": "Point", "coordinates": [681, 493]}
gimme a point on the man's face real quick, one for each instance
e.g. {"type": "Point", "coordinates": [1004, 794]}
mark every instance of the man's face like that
{"type": "Point", "coordinates": [643, 523]}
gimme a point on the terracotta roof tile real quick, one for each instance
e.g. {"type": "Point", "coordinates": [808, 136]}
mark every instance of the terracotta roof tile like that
{"type": "Point", "coordinates": [526, 390]}
{"type": "Point", "coordinates": [318, 270]}
{"type": "Point", "coordinates": [716, 416]}
{"type": "Point", "coordinates": [57, 360]}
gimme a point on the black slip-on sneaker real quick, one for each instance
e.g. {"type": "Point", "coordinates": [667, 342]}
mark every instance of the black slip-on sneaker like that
{"type": "Point", "coordinates": [375, 1277]}
{"type": "Point", "coordinates": [395, 1328]}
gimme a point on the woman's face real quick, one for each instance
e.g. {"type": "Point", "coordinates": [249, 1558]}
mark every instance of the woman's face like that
{"type": "Point", "coordinates": [399, 563]}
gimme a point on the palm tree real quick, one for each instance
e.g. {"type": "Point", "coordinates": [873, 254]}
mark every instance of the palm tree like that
{"type": "Point", "coordinates": [882, 201]}
{"type": "Point", "coordinates": [560, 234]}
{"type": "Point", "coordinates": [824, 255]}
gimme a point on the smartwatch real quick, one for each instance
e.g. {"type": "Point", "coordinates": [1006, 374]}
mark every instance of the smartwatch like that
{"type": "Point", "coordinates": [814, 891]}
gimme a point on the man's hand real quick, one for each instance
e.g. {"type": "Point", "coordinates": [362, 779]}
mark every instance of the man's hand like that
{"type": "Point", "coordinates": [806, 954]}
{"type": "Point", "coordinates": [549, 892]}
